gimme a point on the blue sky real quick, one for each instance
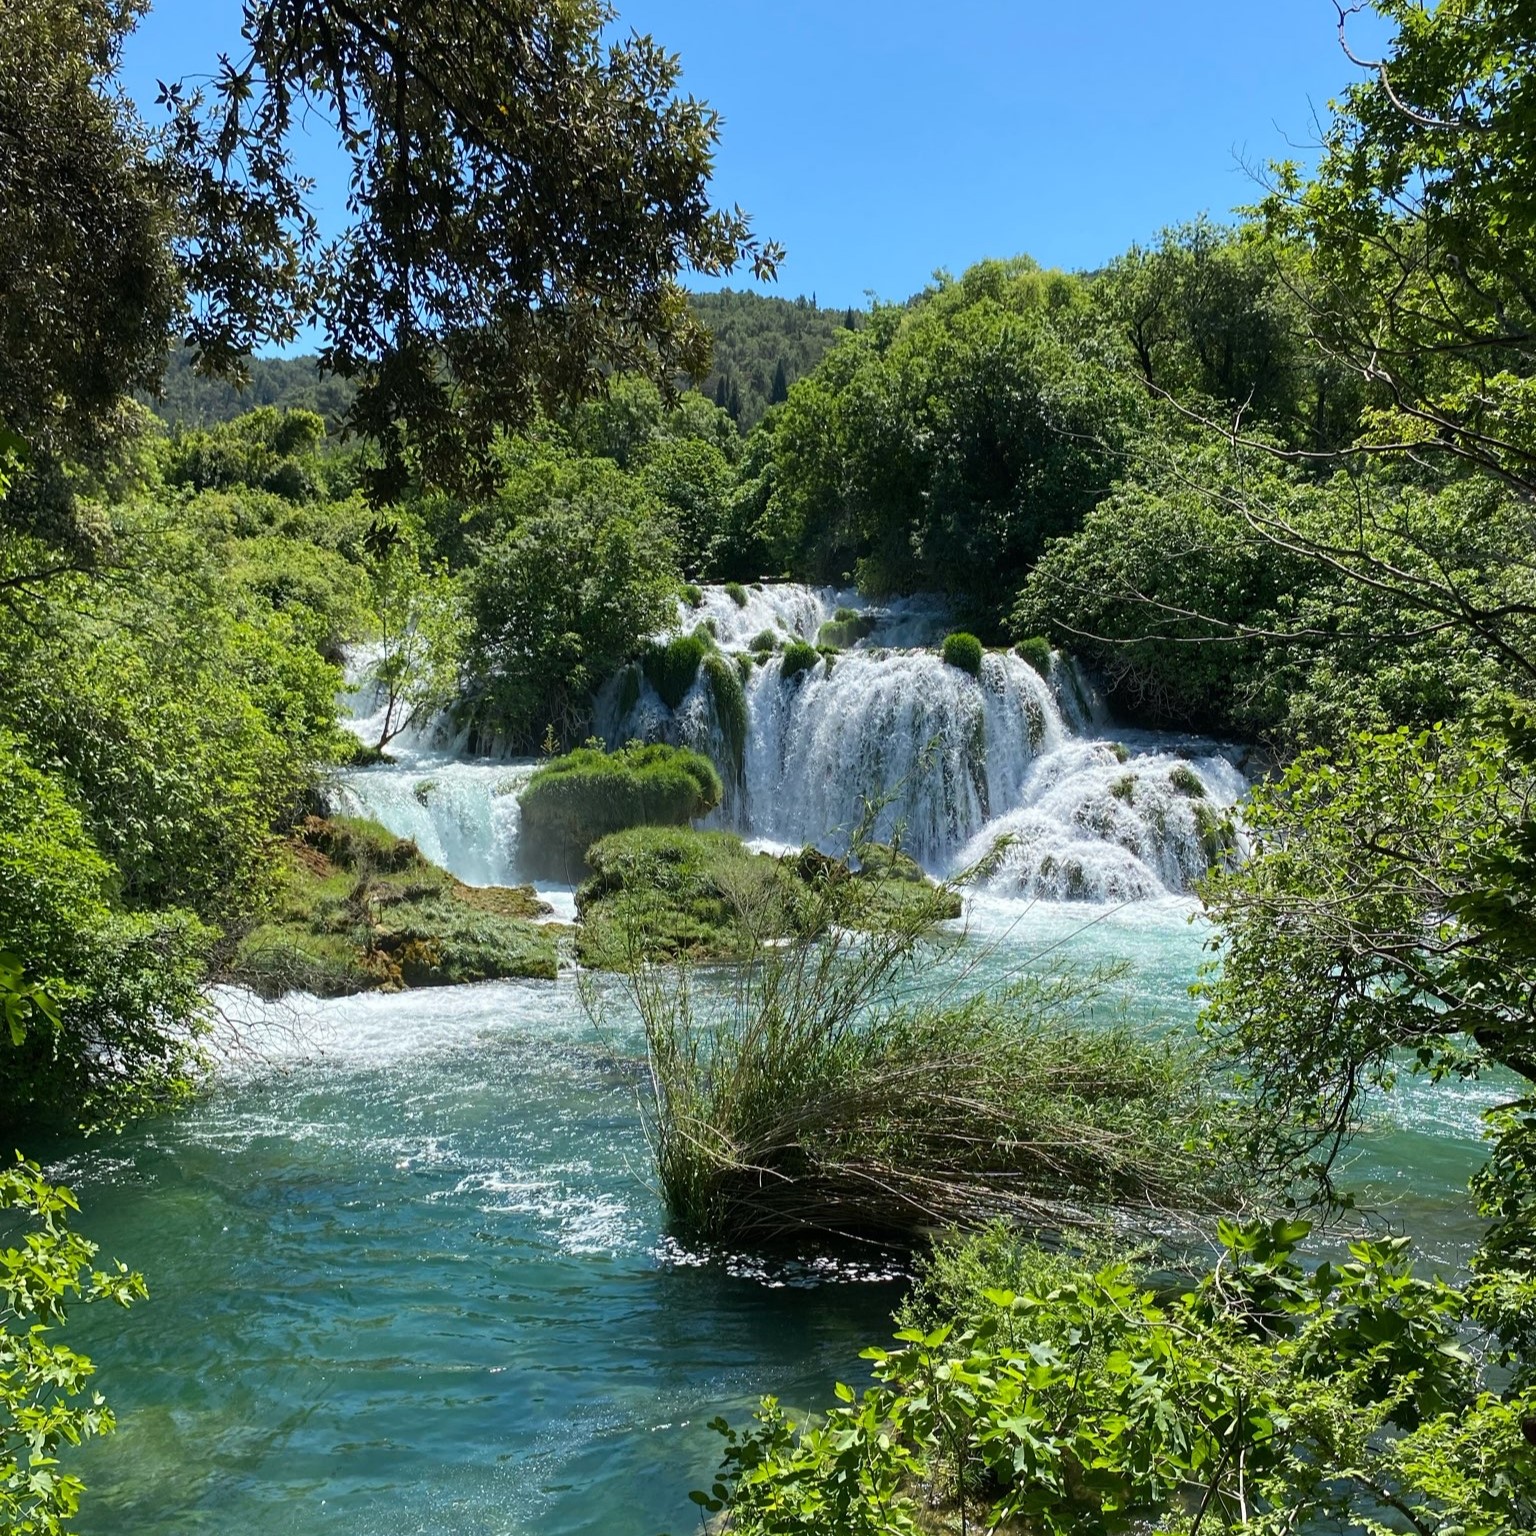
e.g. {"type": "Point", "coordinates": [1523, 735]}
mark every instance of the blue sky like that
{"type": "Point", "coordinates": [879, 140]}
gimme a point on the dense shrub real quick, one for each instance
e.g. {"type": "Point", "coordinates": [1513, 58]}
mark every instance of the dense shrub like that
{"type": "Point", "coordinates": [963, 651]}
{"type": "Point", "coordinates": [672, 666]}
{"type": "Point", "coordinates": [1036, 650]}
{"type": "Point", "coordinates": [126, 984]}
{"type": "Point", "coordinates": [574, 800]}
{"type": "Point", "coordinates": [737, 593]}
{"type": "Point", "coordinates": [798, 657]}
{"type": "Point", "coordinates": [1062, 1395]}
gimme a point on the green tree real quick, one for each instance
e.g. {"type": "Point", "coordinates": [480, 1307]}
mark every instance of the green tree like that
{"type": "Point", "coordinates": [89, 289]}
{"type": "Point", "coordinates": [779, 392]}
{"type": "Point", "coordinates": [419, 629]}
{"type": "Point", "coordinates": [576, 570]}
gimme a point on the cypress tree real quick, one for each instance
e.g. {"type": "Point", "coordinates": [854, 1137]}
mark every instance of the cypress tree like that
{"type": "Point", "coordinates": [780, 390]}
{"type": "Point", "coordinates": [721, 394]}
{"type": "Point", "coordinates": [733, 404]}
{"type": "Point", "coordinates": [849, 323]}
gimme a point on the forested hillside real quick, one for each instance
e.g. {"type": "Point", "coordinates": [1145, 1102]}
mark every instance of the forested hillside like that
{"type": "Point", "coordinates": [762, 344]}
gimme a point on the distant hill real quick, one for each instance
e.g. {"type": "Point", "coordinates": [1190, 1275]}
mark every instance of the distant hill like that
{"type": "Point", "coordinates": [755, 336]}
{"type": "Point", "coordinates": [191, 401]}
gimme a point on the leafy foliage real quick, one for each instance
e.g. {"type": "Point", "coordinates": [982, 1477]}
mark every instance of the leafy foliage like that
{"type": "Point", "coordinates": [46, 1404]}
{"type": "Point", "coordinates": [1387, 912]}
{"type": "Point", "coordinates": [1268, 1396]}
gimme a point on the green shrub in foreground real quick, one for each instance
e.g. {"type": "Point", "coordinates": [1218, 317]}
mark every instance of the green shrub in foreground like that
{"type": "Point", "coordinates": [46, 1404]}
{"type": "Point", "coordinates": [963, 651]}
{"type": "Point", "coordinates": [573, 801]}
{"type": "Point", "coordinates": [1079, 1402]}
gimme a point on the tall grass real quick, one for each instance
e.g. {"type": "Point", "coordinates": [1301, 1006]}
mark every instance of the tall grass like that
{"type": "Point", "coordinates": [816, 1094]}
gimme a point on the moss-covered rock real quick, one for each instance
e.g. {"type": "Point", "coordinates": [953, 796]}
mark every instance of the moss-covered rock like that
{"type": "Point", "coordinates": [798, 657]}
{"type": "Point", "coordinates": [669, 893]}
{"type": "Point", "coordinates": [1036, 650]}
{"type": "Point", "coordinates": [574, 800]}
{"type": "Point", "coordinates": [359, 909]}
{"type": "Point", "coordinates": [671, 666]}
{"type": "Point", "coordinates": [845, 630]}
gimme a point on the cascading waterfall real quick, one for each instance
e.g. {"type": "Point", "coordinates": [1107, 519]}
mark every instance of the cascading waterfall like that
{"type": "Point", "coordinates": [461, 812]}
{"type": "Point", "coordinates": [954, 762]}
{"type": "Point", "coordinates": [948, 763]}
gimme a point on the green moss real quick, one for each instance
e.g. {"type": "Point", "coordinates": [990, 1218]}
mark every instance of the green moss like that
{"type": "Point", "coordinates": [730, 707]}
{"type": "Point", "coordinates": [574, 800]}
{"type": "Point", "coordinates": [1036, 650]}
{"type": "Point", "coordinates": [660, 893]}
{"type": "Point", "coordinates": [671, 893]}
{"type": "Point", "coordinates": [1125, 789]}
{"type": "Point", "coordinates": [1186, 781]}
{"type": "Point", "coordinates": [672, 666]}
{"type": "Point", "coordinates": [737, 593]}
{"type": "Point", "coordinates": [1121, 751]}
{"type": "Point", "coordinates": [846, 630]}
{"type": "Point", "coordinates": [423, 790]}
{"type": "Point", "coordinates": [1218, 838]}
{"type": "Point", "coordinates": [764, 642]}
{"type": "Point", "coordinates": [692, 595]}
{"type": "Point", "coordinates": [360, 909]}
{"type": "Point", "coordinates": [745, 661]}
{"type": "Point", "coordinates": [798, 657]}
{"type": "Point", "coordinates": [963, 651]}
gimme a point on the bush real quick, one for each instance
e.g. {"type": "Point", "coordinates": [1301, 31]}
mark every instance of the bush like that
{"type": "Point", "coordinates": [963, 651]}
{"type": "Point", "coordinates": [798, 657]}
{"type": "Point", "coordinates": [737, 593]}
{"type": "Point", "coordinates": [131, 1009]}
{"type": "Point", "coordinates": [765, 641]}
{"type": "Point", "coordinates": [1036, 650]}
{"type": "Point", "coordinates": [692, 595]}
{"type": "Point", "coordinates": [1075, 1400]}
{"type": "Point", "coordinates": [671, 666]}
{"type": "Point", "coordinates": [573, 801]}
{"type": "Point", "coordinates": [810, 1105]}
{"type": "Point", "coordinates": [669, 893]}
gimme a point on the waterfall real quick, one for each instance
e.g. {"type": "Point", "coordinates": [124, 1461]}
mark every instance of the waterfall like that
{"type": "Point", "coordinates": [950, 764]}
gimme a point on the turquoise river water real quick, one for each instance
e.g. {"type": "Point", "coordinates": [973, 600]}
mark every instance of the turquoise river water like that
{"type": "Point", "coordinates": [407, 1274]}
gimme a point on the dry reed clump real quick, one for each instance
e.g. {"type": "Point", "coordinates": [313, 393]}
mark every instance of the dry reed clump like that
{"type": "Point", "coordinates": [812, 1101]}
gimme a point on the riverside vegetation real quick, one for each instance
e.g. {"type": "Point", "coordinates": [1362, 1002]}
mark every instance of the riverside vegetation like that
{"type": "Point", "coordinates": [1273, 481]}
